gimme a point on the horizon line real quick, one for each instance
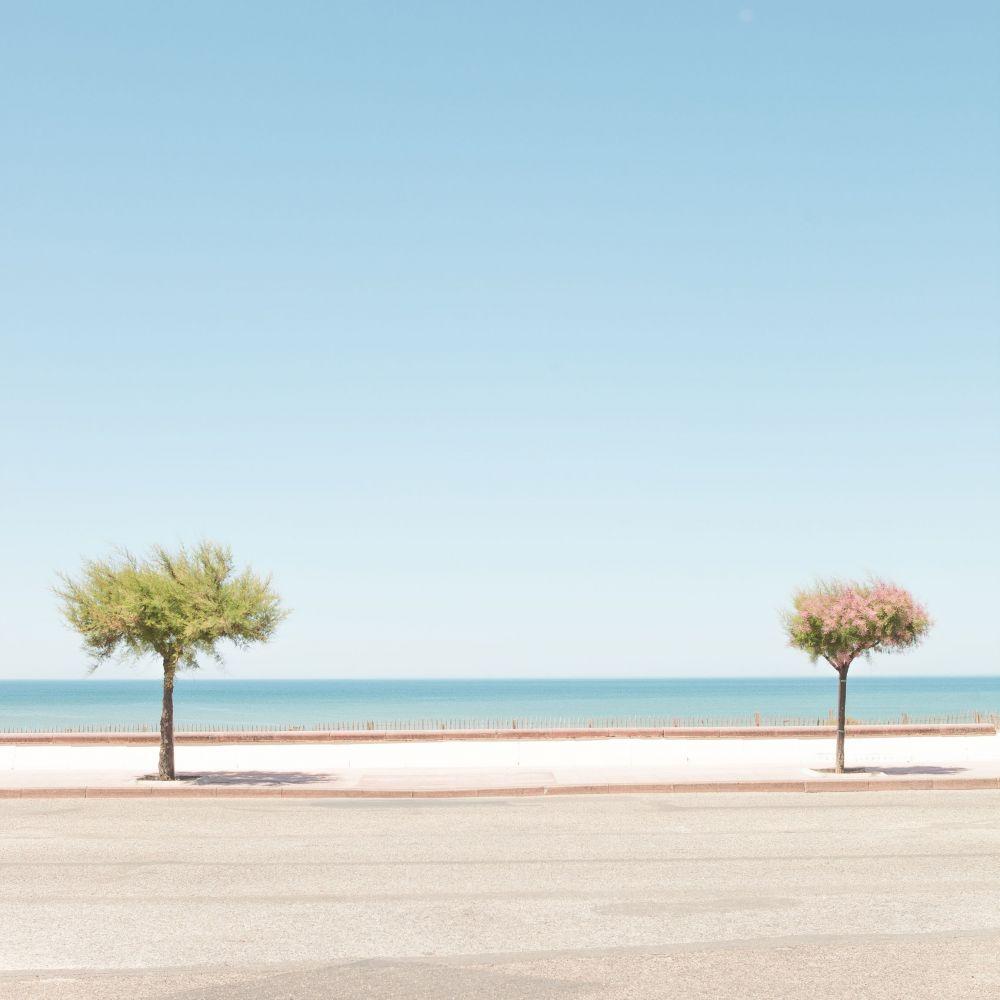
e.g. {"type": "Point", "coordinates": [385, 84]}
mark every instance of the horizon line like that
{"type": "Point", "coordinates": [567, 677]}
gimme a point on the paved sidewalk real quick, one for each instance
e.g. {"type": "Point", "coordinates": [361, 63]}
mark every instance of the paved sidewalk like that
{"type": "Point", "coordinates": [456, 768]}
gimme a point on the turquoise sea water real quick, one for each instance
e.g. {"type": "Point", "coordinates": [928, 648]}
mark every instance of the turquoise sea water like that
{"type": "Point", "coordinates": [203, 703]}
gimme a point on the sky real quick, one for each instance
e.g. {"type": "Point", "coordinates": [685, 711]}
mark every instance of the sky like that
{"type": "Point", "coordinates": [514, 339]}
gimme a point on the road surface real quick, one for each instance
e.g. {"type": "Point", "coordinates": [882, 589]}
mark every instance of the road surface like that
{"type": "Point", "coordinates": [872, 895]}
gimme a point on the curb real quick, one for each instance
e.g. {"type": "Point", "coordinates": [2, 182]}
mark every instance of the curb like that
{"type": "Point", "coordinates": [436, 735]}
{"type": "Point", "coordinates": [295, 792]}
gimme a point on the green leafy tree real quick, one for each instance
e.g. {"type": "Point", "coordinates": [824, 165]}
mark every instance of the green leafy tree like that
{"type": "Point", "coordinates": [839, 621]}
{"type": "Point", "coordinates": [175, 605]}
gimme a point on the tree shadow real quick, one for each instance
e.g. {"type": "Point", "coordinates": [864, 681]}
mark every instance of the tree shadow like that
{"type": "Point", "coordinates": [910, 769]}
{"type": "Point", "coordinates": [914, 769]}
{"type": "Point", "coordinates": [256, 778]}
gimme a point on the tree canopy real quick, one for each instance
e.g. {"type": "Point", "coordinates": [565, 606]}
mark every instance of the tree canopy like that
{"type": "Point", "coordinates": [176, 605]}
{"type": "Point", "coordinates": [839, 621]}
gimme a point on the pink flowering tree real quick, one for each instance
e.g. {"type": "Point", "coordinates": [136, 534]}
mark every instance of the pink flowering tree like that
{"type": "Point", "coordinates": [839, 621]}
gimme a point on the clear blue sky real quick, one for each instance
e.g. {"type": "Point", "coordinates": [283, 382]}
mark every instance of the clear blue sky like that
{"type": "Point", "coordinates": [514, 338]}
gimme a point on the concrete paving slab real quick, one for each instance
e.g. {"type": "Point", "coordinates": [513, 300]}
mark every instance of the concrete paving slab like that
{"type": "Point", "coordinates": [535, 767]}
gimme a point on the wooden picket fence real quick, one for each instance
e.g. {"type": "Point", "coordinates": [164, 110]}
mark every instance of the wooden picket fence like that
{"type": "Point", "coordinates": [516, 723]}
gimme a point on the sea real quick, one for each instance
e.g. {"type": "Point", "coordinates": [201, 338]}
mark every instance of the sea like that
{"type": "Point", "coordinates": [210, 703]}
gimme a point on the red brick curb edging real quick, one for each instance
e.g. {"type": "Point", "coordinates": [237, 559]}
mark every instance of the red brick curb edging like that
{"type": "Point", "coordinates": [170, 791]}
{"type": "Point", "coordinates": [435, 735]}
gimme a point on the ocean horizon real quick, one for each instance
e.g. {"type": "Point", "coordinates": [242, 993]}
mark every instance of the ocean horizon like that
{"type": "Point", "coordinates": [204, 703]}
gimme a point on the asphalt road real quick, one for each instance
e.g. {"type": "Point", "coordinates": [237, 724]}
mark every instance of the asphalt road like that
{"type": "Point", "coordinates": [873, 895]}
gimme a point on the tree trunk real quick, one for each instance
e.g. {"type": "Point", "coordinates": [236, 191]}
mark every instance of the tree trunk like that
{"type": "Point", "coordinates": [841, 717]}
{"type": "Point", "coordinates": [167, 723]}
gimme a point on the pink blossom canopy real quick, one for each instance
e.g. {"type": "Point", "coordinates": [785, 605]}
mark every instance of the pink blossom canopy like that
{"type": "Point", "coordinates": [840, 621]}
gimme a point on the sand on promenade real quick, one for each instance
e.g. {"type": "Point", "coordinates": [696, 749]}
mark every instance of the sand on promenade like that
{"type": "Point", "coordinates": [455, 764]}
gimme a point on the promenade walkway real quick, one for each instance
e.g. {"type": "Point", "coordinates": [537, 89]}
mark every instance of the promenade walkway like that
{"type": "Point", "coordinates": [506, 766]}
